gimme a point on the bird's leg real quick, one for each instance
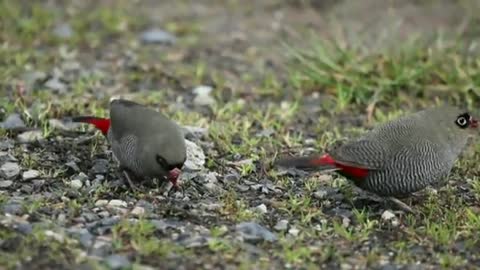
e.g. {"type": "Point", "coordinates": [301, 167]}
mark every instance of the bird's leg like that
{"type": "Point", "coordinates": [129, 181]}
{"type": "Point", "coordinates": [401, 204]}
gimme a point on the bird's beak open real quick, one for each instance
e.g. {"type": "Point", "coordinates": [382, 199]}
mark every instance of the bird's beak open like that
{"type": "Point", "coordinates": [173, 176]}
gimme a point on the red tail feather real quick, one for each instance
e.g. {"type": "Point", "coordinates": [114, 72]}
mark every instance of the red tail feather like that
{"type": "Point", "coordinates": [103, 124]}
{"type": "Point", "coordinates": [324, 161]}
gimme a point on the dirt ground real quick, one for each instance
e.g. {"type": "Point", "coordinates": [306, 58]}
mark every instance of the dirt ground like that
{"type": "Point", "coordinates": [287, 76]}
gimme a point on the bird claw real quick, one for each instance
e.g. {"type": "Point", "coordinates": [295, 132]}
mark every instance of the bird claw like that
{"type": "Point", "coordinates": [130, 182]}
{"type": "Point", "coordinates": [402, 205]}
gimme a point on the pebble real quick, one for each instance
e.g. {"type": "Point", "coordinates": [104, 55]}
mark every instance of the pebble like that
{"type": "Point", "coordinates": [63, 30]}
{"type": "Point", "coordinates": [195, 157]}
{"type": "Point", "coordinates": [138, 211]}
{"type": "Point", "coordinates": [191, 132]}
{"type": "Point", "coordinates": [5, 183]}
{"type": "Point", "coordinates": [163, 225]}
{"type": "Point", "coordinates": [9, 170]}
{"type": "Point", "coordinates": [320, 194]}
{"type": "Point", "coordinates": [30, 174]}
{"type": "Point", "coordinates": [100, 166]}
{"type": "Point", "coordinates": [116, 261]}
{"type": "Point", "coordinates": [159, 36]}
{"type": "Point", "coordinates": [12, 121]}
{"type": "Point", "coordinates": [101, 203]}
{"type": "Point", "coordinates": [76, 184]}
{"type": "Point", "coordinates": [252, 231]}
{"type": "Point", "coordinates": [73, 165]}
{"type": "Point", "coordinates": [30, 136]}
{"type": "Point", "coordinates": [281, 225]}
{"type": "Point", "coordinates": [13, 208]}
{"type": "Point", "coordinates": [101, 248]}
{"type": "Point", "coordinates": [294, 231]}
{"type": "Point", "coordinates": [387, 215]}
{"type": "Point", "coordinates": [24, 228]}
{"type": "Point", "coordinates": [211, 182]}
{"type": "Point", "coordinates": [32, 77]}
{"type": "Point", "coordinates": [62, 125]}
{"type": "Point", "coordinates": [117, 203]}
{"type": "Point", "coordinates": [262, 209]}
{"type": "Point", "coordinates": [202, 96]}
{"type": "Point", "coordinates": [38, 183]}
{"type": "Point", "coordinates": [56, 85]}
{"type": "Point", "coordinates": [6, 143]}
{"type": "Point", "coordinates": [56, 236]}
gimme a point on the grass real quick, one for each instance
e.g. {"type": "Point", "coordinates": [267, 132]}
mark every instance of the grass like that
{"type": "Point", "coordinates": [254, 120]}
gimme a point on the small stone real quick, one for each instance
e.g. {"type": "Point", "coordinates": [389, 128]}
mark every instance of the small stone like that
{"type": "Point", "coordinates": [6, 143]}
{"type": "Point", "coordinates": [138, 211]}
{"type": "Point", "coordinates": [13, 121]}
{"type": "Point", "coordinates": [159, 36]}
{"type": "Point", "coordinates": [63, 30]}
{"type": "Point", "coordinates": [24, 228]}
{"type": "Point", "coordinates": [100, 166]}
{"type": "Point", "coordinates": [9, 170]}
{"type": "Point", "coordinates": [202, 96]}
{"type": "Point", "coordinates": [294, 231]}
{"type": "Point", "coordinates": [281, 225]}
{"type": "Point", "coordinates": [56, 236]}
{"type": "Point", "coordinates": [117, 261]}
{"type": "Point", "coordinates": [101, 248]}
{"type": "Point", "coordinates": [62, 125]}
{"type": "Point", "coordinates": [191, 132]}
{"type": "Point", "coordinates": [38, 183]}
{"type": "Point", "coordinates": [13, 208]}
{"type": "Point", "coordinates": [262, 209]}
{"type": "Point", "coordinates": [117, 203]}
{"type": "Point", "coordinates": [32, 77]}
{"type": "Point", "coordinates": [320, 194]}
{"type": "Point", "coordinates": [101, 203]}
{"type": "Point", "coordinates": [30, 136]}
{"type": "Point", "coordinates": [5, 183]}
{"type": "Point", "coordinates": [73, 165]}
{"type": "Point", "coordinates": [56, 85]}
{"type": "Point", "coordinates": [387, 215]}
{"type": "Point", "coordinates": [30, 174]}
{"type": "Point", "coordinates": [76, 184]}
{"type": "Point", "coordinates": [254, 232]}
{"type": "Point", "coordinates": [195, 157]}
{"type": "Point", "coordinates": [232, 177]}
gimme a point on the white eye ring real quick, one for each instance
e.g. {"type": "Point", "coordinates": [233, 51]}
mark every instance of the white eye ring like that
{"type": "Point", "coordinates": [462, 121]}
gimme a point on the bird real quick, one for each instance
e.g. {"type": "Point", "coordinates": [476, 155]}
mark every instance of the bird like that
{"type": "Point", "coordinates": [399, 157]}
{"type": "Point", "coordinates": [145, 142]}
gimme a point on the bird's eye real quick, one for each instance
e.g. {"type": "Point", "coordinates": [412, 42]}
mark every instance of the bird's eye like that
{"type": "Point", "coordinates": [162, 162]}
{"type": "Point", "coordinates": [463, 120]}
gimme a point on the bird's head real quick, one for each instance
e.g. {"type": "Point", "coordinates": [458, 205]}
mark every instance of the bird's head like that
{"type": "Point", "coordinates": [163, 155]}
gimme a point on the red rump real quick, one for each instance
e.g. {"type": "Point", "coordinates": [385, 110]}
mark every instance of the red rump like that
{"type": "Point", "coordinates": [351, 171]}
{"type": "Point", "coordinates": [103, 124]}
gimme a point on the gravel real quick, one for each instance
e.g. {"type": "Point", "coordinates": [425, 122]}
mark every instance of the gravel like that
{"type": "Point", "coordinates": [157, 36]}
{"type": "Point", "coordinates": [251, 231]}
{"type": "Point", "coordinates": [9, 170]}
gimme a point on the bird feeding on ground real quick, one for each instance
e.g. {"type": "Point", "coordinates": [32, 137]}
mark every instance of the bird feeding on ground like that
{"type": "Point", "coordinates": [402, 156]}
{"type": "Point", "coordinates": [143, 141]}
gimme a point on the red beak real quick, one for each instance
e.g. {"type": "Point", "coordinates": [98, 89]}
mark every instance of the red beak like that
{"type": "Point", "coordinates": [173, 176]}
{"type": "Point", "coordinates": [473, 123]}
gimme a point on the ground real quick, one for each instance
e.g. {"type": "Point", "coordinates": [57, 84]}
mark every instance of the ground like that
{"type": "Point", "coordinates": [287, 77]}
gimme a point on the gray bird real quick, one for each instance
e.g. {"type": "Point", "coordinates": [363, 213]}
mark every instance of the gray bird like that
{"type": "Point", "coordinates": [143, 141]}
{"type": "Point", "coordinates": [400, 157]}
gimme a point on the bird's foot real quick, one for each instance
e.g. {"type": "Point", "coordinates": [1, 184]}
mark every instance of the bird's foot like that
{"type": "Point", "coordinates": [130, 182]}
{"type": "Point", "coordinates": [401, 205]}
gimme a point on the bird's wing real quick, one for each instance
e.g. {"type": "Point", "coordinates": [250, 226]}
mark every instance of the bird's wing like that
{"type": "Point", "coordinates": [362, 153]}
{"type": "Point", "coordinates": [430, 161]}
